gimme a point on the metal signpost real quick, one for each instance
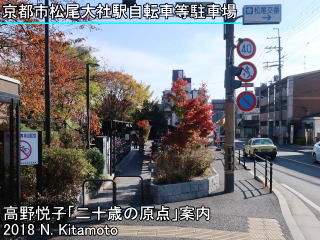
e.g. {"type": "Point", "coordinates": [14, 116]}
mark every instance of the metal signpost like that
{"type": "Point", "coordinates": [262, 14]}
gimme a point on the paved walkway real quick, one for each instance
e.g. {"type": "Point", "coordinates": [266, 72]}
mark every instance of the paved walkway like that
{"type": "Point", "coordinates": [250, 212]}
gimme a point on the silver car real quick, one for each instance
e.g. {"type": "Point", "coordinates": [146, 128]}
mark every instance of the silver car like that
{"type": "Point", "coordinates": [316, 152]}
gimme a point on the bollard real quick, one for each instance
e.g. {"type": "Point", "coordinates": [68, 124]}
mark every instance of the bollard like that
{"type": "Point", "coordinates": [114, 189]}
{"type": "Point", "coordinates": [254, 166]}
{"type": "Point", "coordinates": [271, 177]}
{"type": "Point", "coordinates": [244, 163]}
{"type": "Point", "coordinates": [239, 156]}
{"type": "Point", "coordinates": [266, 173]}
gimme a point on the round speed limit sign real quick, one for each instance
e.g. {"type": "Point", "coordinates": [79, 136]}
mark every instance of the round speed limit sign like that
{"type": "Point", "coordinates": [246, 48]}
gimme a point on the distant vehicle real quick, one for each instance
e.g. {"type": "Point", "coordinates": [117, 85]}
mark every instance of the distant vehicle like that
{"type": "Point", "coordinates": [316, 152]}
{"type": "Point", "coordinates": [263, 147]}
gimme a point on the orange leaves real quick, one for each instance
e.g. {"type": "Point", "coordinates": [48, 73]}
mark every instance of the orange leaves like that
{"type": "Point", "coordinates": [195, 122]}
{"type": "Point", "coordinates": [144, 124]}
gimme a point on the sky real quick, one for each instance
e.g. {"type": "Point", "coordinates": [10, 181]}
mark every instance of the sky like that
{"type": "Point", "coordinates": [150, 52]}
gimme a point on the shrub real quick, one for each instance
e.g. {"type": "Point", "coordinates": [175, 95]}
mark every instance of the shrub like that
{"type": "Point", "coordinates": [95, 157]}
{"type": "Point", "coordinates": [70, 139]}
{"type": "Point", "coordinates": [174, 166]}
{"type": "Point", "coordinates": [28, 180]}
{"type": "Point", "coordinates": [64, 170]}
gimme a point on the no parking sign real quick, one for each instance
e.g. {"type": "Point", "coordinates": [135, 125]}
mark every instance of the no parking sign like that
{"type": "Point", "coordinates": [29, 148]}
{"type": "Point", "coordinates": [246, 101]}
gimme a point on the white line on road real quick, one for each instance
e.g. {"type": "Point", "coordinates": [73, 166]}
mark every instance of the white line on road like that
{"type": "Point", "coordinates": [312, 165]}
{"type": "Point", "coordinates": [312, 204]}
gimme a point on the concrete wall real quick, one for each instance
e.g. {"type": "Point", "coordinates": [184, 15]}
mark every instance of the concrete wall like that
{"type": "Point", "coordinates": [184, 191]}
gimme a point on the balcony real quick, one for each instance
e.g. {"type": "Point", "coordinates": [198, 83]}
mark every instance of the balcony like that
{"type": "Point", "coordinates": [284, 115]}
{"type": "Point", "coordinates": [271, 99]}
{"type": "Point", "coordinates": [264, 101]}
{"type": "Point", "coordinates": [264, 130]}
{"type": "Point", "coordinates": [263, 117]}
{"type": "Point", "coordinates": [283, 93]}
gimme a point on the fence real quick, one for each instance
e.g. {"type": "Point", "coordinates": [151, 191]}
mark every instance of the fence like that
{"type": "Point", "coordinates": [242, 159]}
{"type": "Point", "coordinates": [267, 167]}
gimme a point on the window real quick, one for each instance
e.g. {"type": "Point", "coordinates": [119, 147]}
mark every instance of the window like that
{"type": "Point", "coordinates": [262, 142]}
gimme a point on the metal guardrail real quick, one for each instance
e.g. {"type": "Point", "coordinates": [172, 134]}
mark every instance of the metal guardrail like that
{"type": "Point", "coordinates": [141, 182]}
{"type": "Point", "coordinates": [114, 189]}
{"type": "Point", "coordinates": [242, 159]}
{"type": "Point", "coordinates": [266, 170]}
{"type": "Point", "coordinates": [267, 166]}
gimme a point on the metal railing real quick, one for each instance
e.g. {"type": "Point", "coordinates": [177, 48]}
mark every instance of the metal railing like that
{"type": "Point", "coordinates": [242, 159]}
{"type": "Point", "coordinates": [268, 170]}
{"type": "Point", "coordinates": [267, 166]}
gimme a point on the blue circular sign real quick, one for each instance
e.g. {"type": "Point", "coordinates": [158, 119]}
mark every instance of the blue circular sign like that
{"type": "Point", "coordinates": [246, 101]}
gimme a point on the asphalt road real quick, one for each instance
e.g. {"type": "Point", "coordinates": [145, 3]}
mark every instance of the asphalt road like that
{"type": "Point", "coordinates": [294, 169]}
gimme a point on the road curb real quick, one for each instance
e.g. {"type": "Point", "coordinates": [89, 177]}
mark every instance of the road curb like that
{"type": "Point", "coordinates": [287, 215]}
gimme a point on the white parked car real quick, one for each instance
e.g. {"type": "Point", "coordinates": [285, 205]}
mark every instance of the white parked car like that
{"type": "Point", "coordinates": [316, 152]}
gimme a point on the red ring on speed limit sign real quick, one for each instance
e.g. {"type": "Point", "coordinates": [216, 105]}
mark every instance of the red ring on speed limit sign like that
{"type": "Point", "coordinates": [252, 73]}
{"type": "Point", "coordinates": [245, 44]}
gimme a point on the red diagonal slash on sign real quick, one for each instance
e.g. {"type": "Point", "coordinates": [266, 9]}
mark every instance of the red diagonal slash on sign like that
{"type": "Point", "coordinates": [244, 99]}
{"type": "Point", "coordinates": [25, 149]}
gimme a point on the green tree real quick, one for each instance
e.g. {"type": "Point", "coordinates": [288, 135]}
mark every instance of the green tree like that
{"type": "Point", "coordinates": [150, 111]}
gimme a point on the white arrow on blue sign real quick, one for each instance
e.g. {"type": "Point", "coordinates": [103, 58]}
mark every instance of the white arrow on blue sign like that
{"type": "Point", "coordinates": [261, 14]}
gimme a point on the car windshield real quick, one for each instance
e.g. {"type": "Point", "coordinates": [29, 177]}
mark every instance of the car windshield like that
{"type": "Point", "coordinates": [261, 142]}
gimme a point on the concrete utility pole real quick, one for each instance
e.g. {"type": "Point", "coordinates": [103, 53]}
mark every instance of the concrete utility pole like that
{"type": "Point", "coordinates": [279, 65]}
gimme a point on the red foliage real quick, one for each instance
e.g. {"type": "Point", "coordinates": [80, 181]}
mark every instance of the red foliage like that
{"type": "Point", "coordinates": [144, 124]}
{"type": "Point", "coordinates": [195, 123]}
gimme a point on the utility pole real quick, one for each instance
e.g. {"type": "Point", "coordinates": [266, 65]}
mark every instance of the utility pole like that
{"type": "Point", "coordinates": [88, 102]}
{"type": "Point", "coordinates": [277, 64]}
{"type": "Point", "coordinates": [230, 85]}
{"type": "Point", "coordinates": [47, 124]}
{"type": "Point", "coordinates": [280, 93]}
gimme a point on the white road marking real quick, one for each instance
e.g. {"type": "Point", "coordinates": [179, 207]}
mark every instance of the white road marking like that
{"type": "Point", "coordinates": [312, 165]}
{"type": "Point", "coordinates": [312, 204]}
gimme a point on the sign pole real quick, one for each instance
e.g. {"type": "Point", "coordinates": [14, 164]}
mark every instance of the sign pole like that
{"type": "Point", "coordinates": [39, 165]}
{"type": "Point", "coordinates": [229, 108]}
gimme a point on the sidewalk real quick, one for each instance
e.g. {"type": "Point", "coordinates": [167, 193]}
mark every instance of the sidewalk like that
{"type": "Point", "coordinates": [250, 212]}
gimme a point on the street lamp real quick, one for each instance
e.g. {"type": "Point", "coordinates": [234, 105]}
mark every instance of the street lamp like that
{"type": "Point", "coordinates": [88, 98]}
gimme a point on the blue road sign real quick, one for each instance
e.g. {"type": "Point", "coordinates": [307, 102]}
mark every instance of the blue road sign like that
{"type": "Point", "coordinates": [261, 14]}
{"type": "Point", "coordinates": [246, 101]}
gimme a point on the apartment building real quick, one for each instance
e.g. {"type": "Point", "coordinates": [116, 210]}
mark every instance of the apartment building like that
{"type": "Point", "coordinates": [290, 108]}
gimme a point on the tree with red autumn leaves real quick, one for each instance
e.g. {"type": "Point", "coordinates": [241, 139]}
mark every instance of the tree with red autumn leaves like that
{"type": "Point", "coordinates": [144, 124]}
{"type": "Point", "coordinates": [195, 123]}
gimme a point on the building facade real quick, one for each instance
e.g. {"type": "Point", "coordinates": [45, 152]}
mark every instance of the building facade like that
{"type": "Point", "coordinates": [287, 104]}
